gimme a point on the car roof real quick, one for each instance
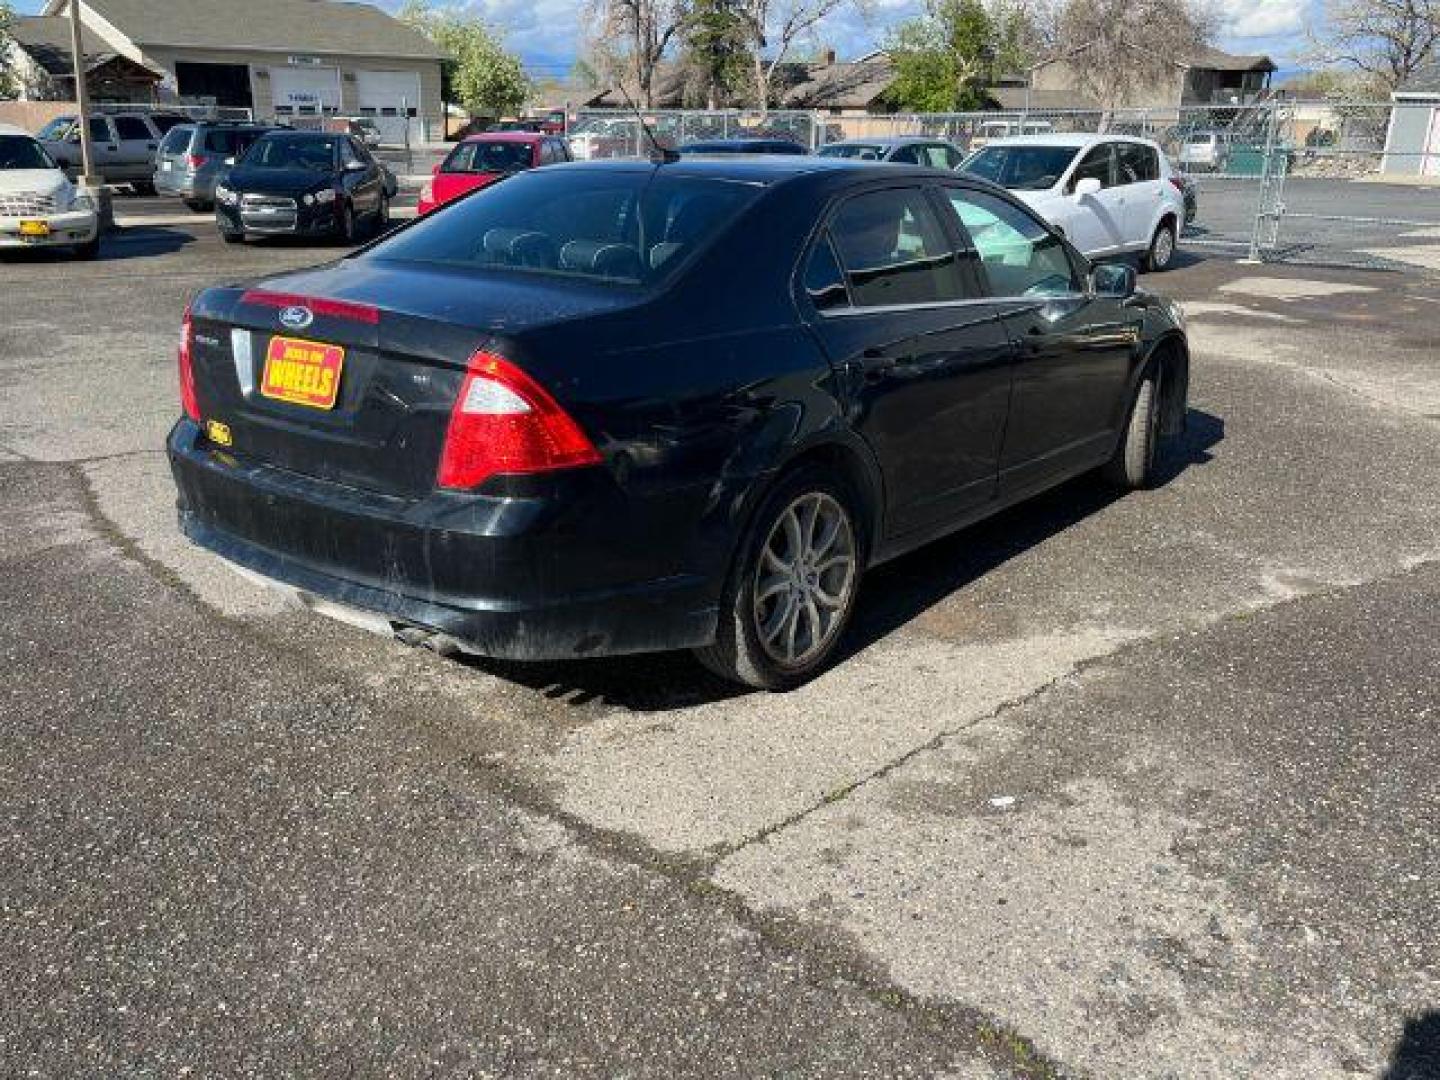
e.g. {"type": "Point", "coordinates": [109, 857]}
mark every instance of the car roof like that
{"type": "Point", "coordinates": [507, 136]}
{"type": "Point", "coordinates": [1072, 139]}
{"type": "Point", "coordinates": [890, 140]}
{"type": "Point", "coordinates": [767, 168]}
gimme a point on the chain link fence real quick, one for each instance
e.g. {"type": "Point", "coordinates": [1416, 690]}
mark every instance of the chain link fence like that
{"type": "Point", "coordinates": [1341, 183]}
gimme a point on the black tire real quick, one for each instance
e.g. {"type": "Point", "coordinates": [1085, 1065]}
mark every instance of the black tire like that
{"type": "Point", "coordinates": [198, 206]}
{"type": "Point", "coordinates": [1162, 247]}
{"type": "Point", "coordinates": [1133, 464]}
{"type": "Point", "coordinates": [382, 215]}
{"type": "Point", "coordinates": [345, 223]}
{"type": "Point", "coordinates": [739, 654]}
{"type": "Point", "coordinates": [88, 251]}
{"type": "Point", "coordinates": [233, 237]}
{"type": "Point", "coordinates": [142, 187]}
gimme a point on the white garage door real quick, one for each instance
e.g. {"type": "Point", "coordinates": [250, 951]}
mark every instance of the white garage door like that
{"type": "Point", "coordinates": [305, 92]}
{"type": "Point", "coordinates": [392, 98]}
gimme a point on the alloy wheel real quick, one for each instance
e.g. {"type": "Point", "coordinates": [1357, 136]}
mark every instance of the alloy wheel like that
{"type": "Point", "coordinates": [805, 579]}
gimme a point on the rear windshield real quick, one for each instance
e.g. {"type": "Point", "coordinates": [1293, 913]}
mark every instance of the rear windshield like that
{"type": "Point", "coordinates": [497, 156]}
{"type": "Point", "coordinates": [624, 228]}
{"type": "Point", "coordinates": [1021, 168]}
{"type": "Point", "coordinates": [313, 152]}
{"type": "Point", "coordinates": [23, 152]}
{"type": "Point", "coordinates": [176, 140]}
{"type": "Point", "coordinates": [863, 151]}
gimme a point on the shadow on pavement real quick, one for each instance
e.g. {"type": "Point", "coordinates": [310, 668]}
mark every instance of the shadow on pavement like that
{"type": "Point", "coordinates": [132, 243]}
{"type": "Point", "coordinates": [1417, 1055]}
{"type": "Point", "coordinates": [891, 596]}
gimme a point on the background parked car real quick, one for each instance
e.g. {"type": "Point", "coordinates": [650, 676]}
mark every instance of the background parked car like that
{"type": "Point", "coordinates": [124, 145]}
{"type": "Point", "coordinates": [743, 146]}
{"type": "Point", "coordinates": [991, 130]}
{"type": "Point", "coordinates": [192, 156]}
{"type": "Point", "coordinates": [39, 206]}
{"type": "Point", "coordinates": [482, 159]}
{"type": "Point", "coordinates": [1110, 196]}
{"type": "Point", "coordinates": [1205, 151]}
{"type": "Point", "coordinates": [303, 183]}
{"type": "Point", "coordinates": [904, 150]}
{"type": "Point", "coordinates": [362, 128]}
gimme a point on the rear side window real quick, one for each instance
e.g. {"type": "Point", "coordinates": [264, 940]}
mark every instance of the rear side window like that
{"type": "Point", "coordinates": [1136, 163]}
{"type": "Point", "coordinates": [906, 155]}
{"type": "Point", "coordinates": [1099, 164]}
{"type": "Point", "coordinates": [1021, 257]}
{"type": "Point", "coordinates": [100, 129]}
{"type": "Point", "coordinates": [621, 227]}
{"type": "Point", "coordinates": [132, 127]}
{"type": "Point", "coordinates": [177, 140]}
{"type": "Point", "coordinates": [824, 280]}
{"type": "Point", "coordinates": [894, 250]}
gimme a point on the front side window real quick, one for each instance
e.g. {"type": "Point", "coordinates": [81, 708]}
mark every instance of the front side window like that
{"type": "Point", "coordinates": [100, 129]}
{"type": "Point", "coordinates": [132, 128]}
{"type": "Point", "coordinates": [615, 228]}
{"type": "Point", "coordinates": [1098, 164]}
{"type": "Point", "coordinates": [894, 250]}
{"type": "Point", "coordinates": [1021, 257]}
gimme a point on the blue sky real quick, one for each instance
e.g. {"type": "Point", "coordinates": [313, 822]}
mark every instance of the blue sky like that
{"type": "Point", "coordinates": [544, 31]}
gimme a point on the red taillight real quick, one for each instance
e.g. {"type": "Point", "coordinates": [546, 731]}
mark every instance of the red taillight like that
{"type": "Point", "coordinates": [319, 305]}
{"type": "Point", "coordinates": [188, 401]}
{"type": "Point", "coordinates": [193, 161]}
{"type": "Point", "coordinates": [504, 422]}
{"type": "Point", "coordinates": [1179, 184]}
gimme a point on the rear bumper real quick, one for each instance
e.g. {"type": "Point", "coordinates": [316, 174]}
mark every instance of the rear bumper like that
{"type": "Point", "coordinates": [176, 182]}
{"type": "Point", "coordinates": [479, 570]}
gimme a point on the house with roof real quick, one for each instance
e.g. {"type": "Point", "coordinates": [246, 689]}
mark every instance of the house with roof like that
{"type": "Point", "coordinates": [40, 56]}
{"type": "Point", "coordinates": [1412, 139]}
{"type": "Point", "coordinates": [1209, 77]}
{"type": "Point", "coordinates": [296, 61]}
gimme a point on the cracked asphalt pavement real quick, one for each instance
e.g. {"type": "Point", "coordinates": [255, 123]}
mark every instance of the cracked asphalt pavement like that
{"type": "Point", "coordinates": [1139, 787]}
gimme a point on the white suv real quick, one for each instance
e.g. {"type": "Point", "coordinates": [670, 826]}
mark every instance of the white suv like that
{"type": "Point", "coordinates": [39, 207]}
{"type": "Point", "coordinates": [1109, 195]}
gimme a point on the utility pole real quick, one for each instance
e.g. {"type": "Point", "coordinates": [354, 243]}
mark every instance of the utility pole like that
{"type": "Point", "coordinates": [91, 183]}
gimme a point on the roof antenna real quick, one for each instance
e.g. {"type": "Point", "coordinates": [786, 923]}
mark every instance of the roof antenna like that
{"type": "Point", "coordinates": [659, 155]}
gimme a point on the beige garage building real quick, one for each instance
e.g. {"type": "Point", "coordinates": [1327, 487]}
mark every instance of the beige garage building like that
{"type": "Point", "coordinates": [293, 60]}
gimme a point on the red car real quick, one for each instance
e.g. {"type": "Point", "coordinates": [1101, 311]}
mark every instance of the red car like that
{"type": "Point", "coordinates": [480, 160]}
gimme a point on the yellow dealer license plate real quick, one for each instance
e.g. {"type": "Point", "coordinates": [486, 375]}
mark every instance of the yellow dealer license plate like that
{"type": "Point", "coordinates": [302, 372]}
{"type": "Point", "coordinates": [34, 228]}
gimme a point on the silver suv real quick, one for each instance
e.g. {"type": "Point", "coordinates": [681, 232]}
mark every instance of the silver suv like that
{"type": "Point", "coordinates": [192, 157]}
{"type": "Point", "coordinates": [124, 144]}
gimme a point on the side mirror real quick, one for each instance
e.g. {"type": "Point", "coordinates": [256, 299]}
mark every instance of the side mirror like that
{"type": "Point", "coordinates": [1114, 280]}
{"type": "Point", "coordinates": [1088, 186]}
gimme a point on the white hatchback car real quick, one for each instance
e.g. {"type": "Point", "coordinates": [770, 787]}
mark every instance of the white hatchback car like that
{"type": "Point", "coordinates": [39, 206]}
{"type": "Point", "coordinates": [1109, 195]}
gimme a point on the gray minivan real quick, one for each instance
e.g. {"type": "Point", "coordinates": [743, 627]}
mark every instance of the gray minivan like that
{"type": "Point", "coordinates": [192, 156]}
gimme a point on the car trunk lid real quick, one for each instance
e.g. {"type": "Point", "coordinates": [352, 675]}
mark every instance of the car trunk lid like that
{"type": "Point", "coordinates": [396, 340]}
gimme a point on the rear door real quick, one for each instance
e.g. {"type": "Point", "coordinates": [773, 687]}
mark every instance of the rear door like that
{"type": "Point", "coordinates": [923, 357]}
{"type": "Point", "coordinates": [1073, 350]}
{"type": "Point", "coordinates": [1138, 180]}
{"type": "Point", "coordinates": [135, 159]}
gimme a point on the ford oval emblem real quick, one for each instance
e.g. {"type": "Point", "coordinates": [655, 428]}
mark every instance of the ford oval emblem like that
{"type": "Point", "coordinates": [296, 317]}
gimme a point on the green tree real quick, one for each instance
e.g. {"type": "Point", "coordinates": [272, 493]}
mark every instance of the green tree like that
{"type": "Point", "coordinates": [715, 55]}
{"type": "Point", "coordinates": [479, 74]}
{"type": "Point", "coordinates": [9, 84]}
{"type": "Point", "coordinates": [945, 58]}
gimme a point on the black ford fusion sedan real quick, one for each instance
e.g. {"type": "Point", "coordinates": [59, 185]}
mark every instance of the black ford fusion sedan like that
{"type": "Point", "coordinates": [620, 406]}
{"type": "Point", "coordinates": [303, 183]}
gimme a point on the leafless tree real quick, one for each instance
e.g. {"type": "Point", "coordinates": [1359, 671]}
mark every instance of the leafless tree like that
{"type": "Point", "coordinates": [774, 27]}
{"type": "Point", "coordinates": [643, 31]}
{"type": "Point", "coordinates": [1387, 40]}
{"type": "Point", "coordinates": [1118, 50]}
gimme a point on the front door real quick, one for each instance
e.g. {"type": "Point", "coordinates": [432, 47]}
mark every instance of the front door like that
{"type": "Point", "coordinates": [1093, 225]}
{"type": "Point", "coordinates": [924, 359]}
{"type": "Point", "coordinates": [1073, 351]}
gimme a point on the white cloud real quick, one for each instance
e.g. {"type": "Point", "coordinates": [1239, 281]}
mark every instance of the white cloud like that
{"type": "Point", "coordinates": [1243, 19]}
